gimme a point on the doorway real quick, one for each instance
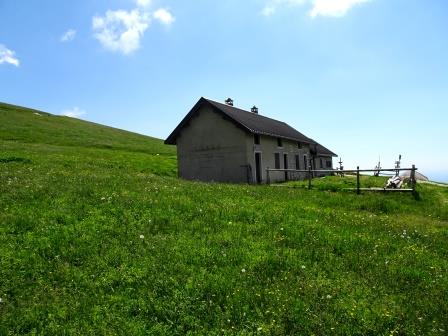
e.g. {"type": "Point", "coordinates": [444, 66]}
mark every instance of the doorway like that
{"type": "Point", "coordinates": [285, 165]}
{"type": "Point", "coordinates": [258, 168]}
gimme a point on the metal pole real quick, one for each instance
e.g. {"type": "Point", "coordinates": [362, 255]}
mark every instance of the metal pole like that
{"type": "Point", "coordinates": [413, 181]}
{"type": "Point", "coordinates": [357, 181]}
{"type": "Point", "coordinates": [309, 177]}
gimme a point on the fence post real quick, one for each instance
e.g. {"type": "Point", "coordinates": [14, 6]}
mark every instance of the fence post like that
{"type": "Point", "coordinates": [268, 178]}
{"type": "Point", "coordinates": [309, 177]}
{"type": "Point", "coordinates": [413, 181]}
{"type": "Point", "coordinates": [357, 181]}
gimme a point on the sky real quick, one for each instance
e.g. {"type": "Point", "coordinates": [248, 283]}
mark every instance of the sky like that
{"type": "Point", "coordinates": [366, 78]}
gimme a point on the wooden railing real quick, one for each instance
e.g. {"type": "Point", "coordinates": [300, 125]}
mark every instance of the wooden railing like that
{"type": "Point", "coordinates": [356, 171]}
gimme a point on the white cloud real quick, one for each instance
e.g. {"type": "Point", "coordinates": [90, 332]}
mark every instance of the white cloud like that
{"type": "Point", "coordinates": [121, 30]}
{"type": "Point", "coordinates": [333, 8]}
{"type": "Point", "coordinates": [75, 112]}
{"type": "Point", "coordinates": [164, 16]}
{"type": "Point", "coordinates": [68, 36]}
{"type": "Point", "coordinates": [143, 3]}
{"type": "Point", "coordinates": [268, 10]}
{"type": "Point", "coordinates": [272, 5]}
{"type": "Point", "coordinates": [8, 56]}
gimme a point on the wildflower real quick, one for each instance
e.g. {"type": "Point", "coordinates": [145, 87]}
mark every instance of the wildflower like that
{"type": "Point", "coordinates": [281, 229]}
{"type": "Point", "coordinates": [142, 237]}
{"type": "Point", "coordinates": [1, 300]}
{"type": "Point", "coordinates": [103, 198]}
{"type": "Point", "coordinates": [328, 296]}
{"type": "Point", "coordinates": [303, 267]}
{"type": "Point", "coordinates": [243, 270]}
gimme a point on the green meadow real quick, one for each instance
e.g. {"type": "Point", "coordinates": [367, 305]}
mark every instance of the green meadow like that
{"type": "Point", "coordinates": [99, 237]}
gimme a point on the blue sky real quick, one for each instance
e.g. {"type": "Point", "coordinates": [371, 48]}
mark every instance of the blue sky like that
{"type": "Point", "coordinates": [366, 78]}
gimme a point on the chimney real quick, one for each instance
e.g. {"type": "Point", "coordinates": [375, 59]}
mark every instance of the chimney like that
{"type": "Point", "coordinates": [229, 101]}
{"type": "Point", "coordinates": [254, 109]}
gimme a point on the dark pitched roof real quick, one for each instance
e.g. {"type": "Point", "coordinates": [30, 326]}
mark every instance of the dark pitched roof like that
{"type": "Point", "coordinates": [248, 121]}
{"type": "Point", "coordinates": [259, 124]}
{"type": "Point", "coordinates": [321, 150]}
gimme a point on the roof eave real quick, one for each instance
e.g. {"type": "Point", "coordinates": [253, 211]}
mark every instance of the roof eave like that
{"type": "Point", "coordinates": [281, 136]}
{"type": "Point", "coordinates": [171, 140]}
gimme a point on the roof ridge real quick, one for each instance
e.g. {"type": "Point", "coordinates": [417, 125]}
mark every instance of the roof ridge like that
{"type": "Point", "coordinates": [248, 121]}
{"type": "Point", "coordinates": [251, 113]}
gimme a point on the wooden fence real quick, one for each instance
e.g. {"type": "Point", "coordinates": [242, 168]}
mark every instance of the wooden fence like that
{"type": "Point", "coordinates": [356, 171]}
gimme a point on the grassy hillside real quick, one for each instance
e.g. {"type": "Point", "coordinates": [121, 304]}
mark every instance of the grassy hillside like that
{"type": "Point", "coordinates": [32, 126]}
{"type": "Point", "coordinates": [99, 240]}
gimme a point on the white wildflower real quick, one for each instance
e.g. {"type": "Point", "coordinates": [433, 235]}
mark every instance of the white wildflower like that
{"type": "Point", "coordinates": [142, 237]}
{"type": "Point", "coordinates": [303, 267]}
{"type": "Point", "coordinates": [243, 270]}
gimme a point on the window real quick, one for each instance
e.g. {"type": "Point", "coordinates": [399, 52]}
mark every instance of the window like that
{"type": "Point", "coordinates": [279, 142]}
{"type": "Point", "coordinates": [329, 164]}
{"type": "Point", "coordinates": [297, 162]}
{"type": "Point", "coordinates": [305, 162]}
{"type": "Point", "coordinates": [299, 145]}
{"type": "Point", "coordinates": [256, 139]}
{"type": "Point", "coordinates": [277, 160]}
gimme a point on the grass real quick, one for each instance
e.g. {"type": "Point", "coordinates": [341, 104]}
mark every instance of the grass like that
{"type": "Point", "coordinates": [104, 240]}
{"type": "Point", "coordinates": [31, 126]}
{"type": "Point", "coordinates": [336, 183]}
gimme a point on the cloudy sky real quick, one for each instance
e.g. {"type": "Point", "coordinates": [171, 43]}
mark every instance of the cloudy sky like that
{"type": "Point", "coordinates": [366, 78]}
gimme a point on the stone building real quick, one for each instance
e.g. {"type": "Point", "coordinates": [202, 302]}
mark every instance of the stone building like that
{"type": "Point", "coordinates": [222, 143]}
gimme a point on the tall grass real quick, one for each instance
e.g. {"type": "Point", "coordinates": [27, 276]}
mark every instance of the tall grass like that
{"type": "Point", "coordinates": [108, 241]}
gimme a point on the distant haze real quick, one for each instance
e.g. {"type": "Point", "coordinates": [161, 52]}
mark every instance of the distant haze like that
{"type": "Point", "coordinates": [439, 176]}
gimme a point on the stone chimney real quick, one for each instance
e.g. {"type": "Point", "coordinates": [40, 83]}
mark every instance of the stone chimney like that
{"type": "Point", "coordinates": [229, 101]}
{"type": "Point", "coordinates": [254, 109]}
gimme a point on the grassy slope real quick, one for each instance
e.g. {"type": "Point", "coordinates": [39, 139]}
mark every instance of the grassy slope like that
{"type": "Point", "coordinates": [215, 258]}
{"type": "Point", "coordinates": [31, 126]}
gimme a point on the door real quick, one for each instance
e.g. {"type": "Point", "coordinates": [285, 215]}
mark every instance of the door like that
{"type": "Point", "coordinates": [285, 165]}
{"type": "Point", "coordinates": [258, 167]}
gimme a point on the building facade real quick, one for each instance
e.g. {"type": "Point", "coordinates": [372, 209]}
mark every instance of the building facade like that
{"type": "Point", "coordinates": [219, 142]}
